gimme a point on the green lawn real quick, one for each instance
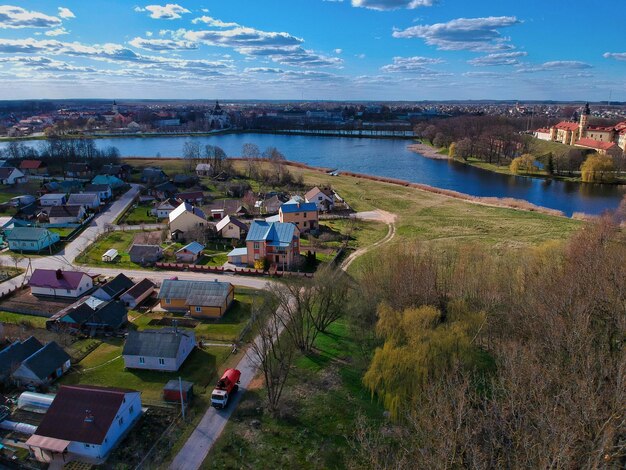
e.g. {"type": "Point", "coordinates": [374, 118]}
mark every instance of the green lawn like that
{"type": "Point", "coordinates": [63, 232]}
{"type": "Point", "coordinates": [18, 318]}
{"type": "Point", "coordinates": [105, 367]}
{"type": "Point", "coordinates": [137, 215]}
{"type": "Point", "coordinates": [322, 400]}
{"type": "Point", "coordinates": [119, 240]}
{"type": "Point", "coordinates": [227, 329]}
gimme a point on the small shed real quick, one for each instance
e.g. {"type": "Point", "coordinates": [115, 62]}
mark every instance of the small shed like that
{"type": "Point", "coordinates": [110, 255]}
{"type": "Point", "coordinates": [238, 256]}
{"type": "Point", "coordinates": [172, 391]}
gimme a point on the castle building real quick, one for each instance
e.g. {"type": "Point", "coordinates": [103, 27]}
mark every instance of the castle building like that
{"type": "Point", "coordinates": [610, 140]}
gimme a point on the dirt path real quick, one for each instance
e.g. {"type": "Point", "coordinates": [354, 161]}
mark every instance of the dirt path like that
{"type": "Point", "coordinates": [377, 216]}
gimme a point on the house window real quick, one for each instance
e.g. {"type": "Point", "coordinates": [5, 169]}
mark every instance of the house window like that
{"type": "Point", "coordinates": [87, 445]}
{"type": "Point", "coordinates": [69, 291]}
{"type": "Point", "coordinates": [161, 361]}
{"type": "Point", "coordinates": [304, 215]}
{"type": "Point", "coordinates": [256, 246]}
{"type": "Point", "coordinates": [120, 421]}
{"type": "Point", "coordinates": [131, 410]}
{"type": "Point", "coordinates": [198, 309]}
{"type": "Point", "coordinates": [305, 224]}
{"type": "Point", "coordinates": [168, 301]}
{"type": "Point", "coordinates": [142, 360]}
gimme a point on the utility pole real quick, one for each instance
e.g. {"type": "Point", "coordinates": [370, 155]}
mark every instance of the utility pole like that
{"type": "Point", "coordinates": [182, 402]}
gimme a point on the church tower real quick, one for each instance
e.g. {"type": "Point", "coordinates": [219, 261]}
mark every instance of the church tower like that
{"type": "Point", "coordinates": [584, 121]}
{"type": "Point", "coordinates": [114, 108]}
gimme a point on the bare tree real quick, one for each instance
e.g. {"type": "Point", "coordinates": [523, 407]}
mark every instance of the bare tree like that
{"type": "Point", "coordinates": [271, 350]}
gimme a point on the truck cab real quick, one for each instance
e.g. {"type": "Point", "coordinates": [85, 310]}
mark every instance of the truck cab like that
{"type": "Point", "coordinates": [219, 398]}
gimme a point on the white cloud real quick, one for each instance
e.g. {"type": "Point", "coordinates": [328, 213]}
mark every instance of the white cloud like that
{"type": "Point", "coordinates": [392, 4]}
{"type": "Point", "coordinates": [296, 56]}
{"type": "Point", "coordinates": [263, 70]}
{"type": "Point", "coordinates": [171, 11]}
{"type": "Point", "coordinates": [162, 44]}
{"type": "Point", "coordinates": [57, 32]}
{"type": "Point", "coordinates": [17, 17]}
{"type": "Point", "coordinates": [615, 55]}
{"type": "Point", "coordinates": [66, 13]}
{"type": "Point", "coordinates": [476, 34]}
{"type": "Point", "coordinates": [243, 37]}
{"type": "Point", "coordinates": [213, 22]}
{"type": "Point", "coordinates": [338, 51]}
{"type": "Point", "coordinates": [555, 65]}
{"type": "Point", "coordinates": [409, 64]}
{"type": "Point", "coordinates": [502, 58]}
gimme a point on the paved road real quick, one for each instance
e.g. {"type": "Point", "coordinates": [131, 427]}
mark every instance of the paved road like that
{"type": "Point", "coordinates": [198, 445]}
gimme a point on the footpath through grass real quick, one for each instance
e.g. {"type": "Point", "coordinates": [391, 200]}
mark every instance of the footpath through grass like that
{"type": "Point", "coordinates": [322, 400]}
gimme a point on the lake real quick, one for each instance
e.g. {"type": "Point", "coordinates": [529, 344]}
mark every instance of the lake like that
{"type": "Point", "coordinates": [391, 158]}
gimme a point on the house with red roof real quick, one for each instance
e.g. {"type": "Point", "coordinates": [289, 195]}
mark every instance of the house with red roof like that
{"type": "Point", "coordinates": [84, 423]}
{"type": "Point", "coordinates": [604, 148]}
{"type": "Point", "coordinates": [59, 283]}
{"type": "Point", "coordinates": [33, 167]}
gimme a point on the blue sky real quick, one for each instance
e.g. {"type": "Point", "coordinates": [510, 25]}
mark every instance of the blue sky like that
{"type": "Point", "coordinates": [313, 49]}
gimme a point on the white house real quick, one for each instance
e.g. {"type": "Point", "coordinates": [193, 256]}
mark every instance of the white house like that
{"type": "Point", "coordinates": [203, 169]}
{"type": "Point", "coordinates": [324, 198]}
{"type": "Point", "coordinates": [138, 293]}
{"type": "Point", "coordinates": [43, 366]}
{"type": "Point", "coordinates": [164, 349]}
{"type": "Point", "coordinates": [48, 282]}
{"type": "Point", "coordinates": [53, 199]}
{"type": "Point", "coordinates": [231, 227]}
{"type": "Point", "coordinates": [10, 175]}
{"type": "Point", "coordinates": [66, 214]}
{"type": "Point", "coordinates": [186, 219]}
{"type": "Point", "coordinates": [104, 191]}
{"type": "Point", "coordinates": [87, 200]}
{"type": "Point", "coordinates": [85, 423]}
{"type": "Point", "coordinates": [164, 209]}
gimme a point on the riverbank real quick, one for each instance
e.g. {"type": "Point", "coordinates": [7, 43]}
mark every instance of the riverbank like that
{"type": "Point", "coordinates": [364, 134]}
{"type": "Point", "coordinates": [428, 151]}
{"type": "Point", "coordinates": [173, 164]}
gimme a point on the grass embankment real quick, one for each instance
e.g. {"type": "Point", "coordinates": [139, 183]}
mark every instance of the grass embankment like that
{"type": "Point", "coordinates": [322, 400]}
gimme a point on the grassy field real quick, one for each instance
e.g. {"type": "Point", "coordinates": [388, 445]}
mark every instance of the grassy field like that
{"type": "Point", "coordinates": [18, 319]}
{"type": "Point", "coordinates": [138, 214]}
{"type": "Point", "coordinates": [228, 328]}
{"type": "Point", "coordinates": [322, 400]}
{"type": "Point", "coordinates": [105, 366]}
{"type": "Point", "coordinates": [119, 240]}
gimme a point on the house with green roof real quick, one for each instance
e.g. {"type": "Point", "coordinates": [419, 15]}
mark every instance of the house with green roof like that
{"type": "Point", "coordinates": [113, 181]}
{"type": "Point", "coordinates": [31, 239]}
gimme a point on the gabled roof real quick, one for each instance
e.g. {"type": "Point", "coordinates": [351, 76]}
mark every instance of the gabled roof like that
{"type": "Point", "coordinates": [195, 293]}
{"type": "Point", "coordinates": [31, 164]}
{"type": "Point", "coordinates": [298, 207]}
{"type": "Point", "coordinates": [110, 180]}
{"type": "Point", "coordinates": [28, 234]}
{"type": "Point", "coordinates": [169, 202]}
{"type": "Point", "coordinates": [155, 343]}
{"type": "Point", "coordinates": [274, 233]}
{"type": "Point", "coordinates": [117, 286]}
{"type": "Point", "coordinates": [56, 279]}
{"type": "Point", "coordinates": [98, 312]}
{"type": "Point", "coordinates": [567, 126]}
{"type": "Point", "coordinates": [46, 360]}
{"type": "Point", "coordinates": [14, 354]}
{"type": "Point", "coordinates": [193, 247]}
{"type": "Point", "coordinates": [83, 199]}
{"type": "Point", "coordinates": [191, 195]}
{"type": "Point", "coordinates": [595, 144]}
{"type": "Point", "coordinates": [7, 171]}
{"type": "Point", "coordinates": [140, 288]}
{"type": "Point", "coordinates": [230, 220]}
{"type": "Point", "coordinates": [82, 413]}
{"type": "Point", "coordinates": [99, 188]}
{"type": "Point", "coordinates": [314, 191]}
{"type": "Point", "coordinates": [186, 207]}
{"type": "Point", "coordinates": [144, 250]}
{"type": "Point", "coordinates": [52, 196]}
{"type": "Point", "coordinates": [65, 211]}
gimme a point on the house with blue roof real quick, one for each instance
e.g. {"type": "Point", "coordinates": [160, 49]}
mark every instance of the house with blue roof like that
{"type": "Point", "coordinates": [303, 215]}
{"type": "Point", "coordinates": [31, 239]}
{"type": "Point", "coordinates": [113, 181]}
{"type": "Point", "coordinates": [189, 253]}
{"type": "Point", "coordinates": [276, 242]}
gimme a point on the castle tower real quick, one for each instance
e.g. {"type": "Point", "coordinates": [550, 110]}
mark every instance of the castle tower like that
{"type": "Point", "coordinates": [584, 121]}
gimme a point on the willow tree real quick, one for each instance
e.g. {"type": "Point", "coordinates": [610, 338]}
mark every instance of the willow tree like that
{"type": "Point", "coordinates": [420, 344]}
{"type": "Point", "coordinates": [598, 168]}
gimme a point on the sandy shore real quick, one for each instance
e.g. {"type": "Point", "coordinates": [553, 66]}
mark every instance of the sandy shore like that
{"type": "Point", "coordinates": [427, 151]}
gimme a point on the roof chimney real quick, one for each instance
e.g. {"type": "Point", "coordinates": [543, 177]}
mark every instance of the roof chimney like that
{"type": "Point", "coordinates": [59, 274]}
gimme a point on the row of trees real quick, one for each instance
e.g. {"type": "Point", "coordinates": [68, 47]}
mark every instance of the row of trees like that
{"type": "Point", "coordinates": [288, 319]}
{"type": "Point", "coordinates": [498, 360]}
